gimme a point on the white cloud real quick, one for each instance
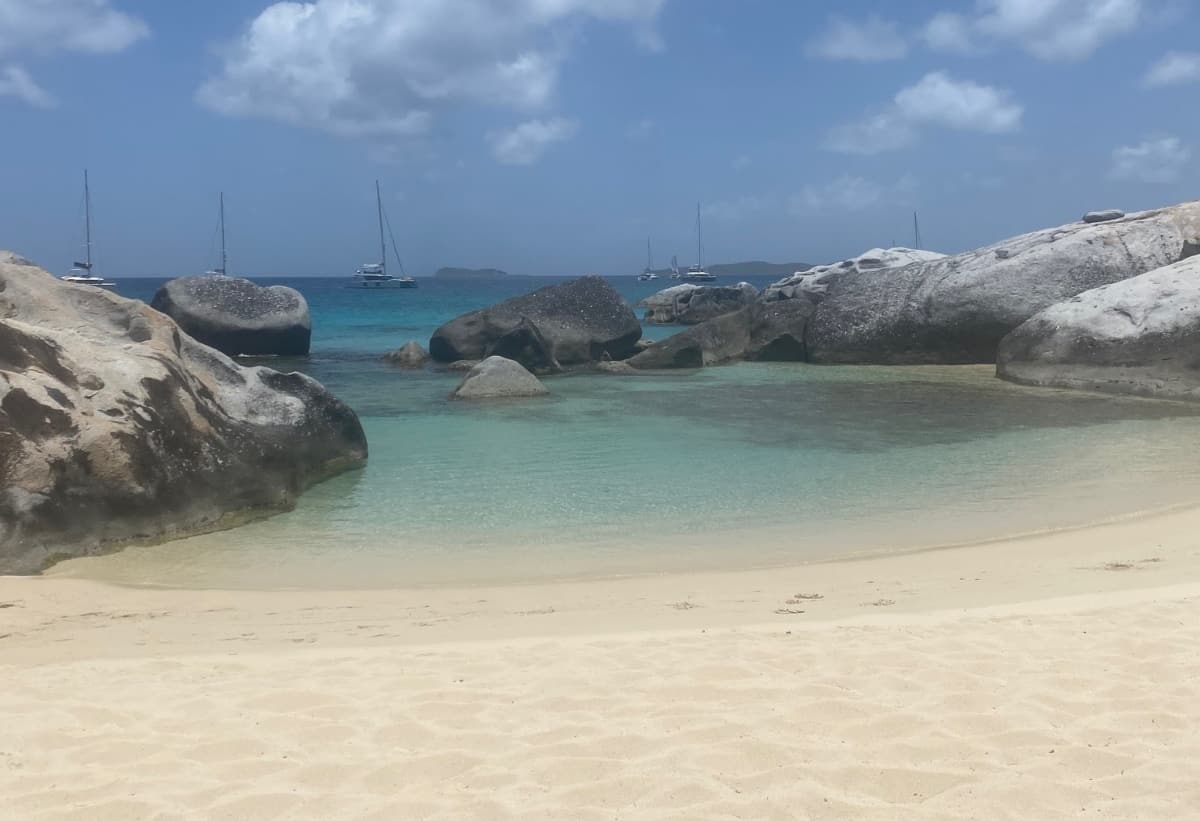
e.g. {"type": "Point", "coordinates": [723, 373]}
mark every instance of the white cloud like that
{"type": "Point", "coordinates": [42, 28]}
{"type": "Point", "coordinates": [1047, 29]}
{"type": "Point", "coordinates": [16, 82]}
{"type": "Point", "coordinates": [1175, 68]}
{"type": "Point", "coordinates": [525, 144]}
{"type": "Point", "coordinates": [1154, 160]}
{"type": "Point", "coordinates": [844, 194]}
{"type": "Point", "coordinates": [950, 32]}
{"type": "Point", "coordinates": [51, 26]}
{"type": "Point", "coordinates": [938, 100]}
{"type": "Point", "coordinates": [872, 40]}
{"type": "Point", "coordinates": [386, 67]}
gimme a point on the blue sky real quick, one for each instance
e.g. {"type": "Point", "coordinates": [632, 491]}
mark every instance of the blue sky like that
{"type": "Point", "coordinates": [553, 136]}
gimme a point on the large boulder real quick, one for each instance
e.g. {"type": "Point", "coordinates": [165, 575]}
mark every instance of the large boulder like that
{"type": "Point", "coordinates": [877, 259]}
{"type": "Point", "coordinates": [115, 427]}
{"type": "Point", "coordinates": [772, 331]}
{"type": "Point", "coordinates": [499, 378]}
{"type": "Point", "coordinates": [237, 317]}
{"type": "Point", "coordinates": [956, 310]}
{"type": "Point", "coordinates": [1140, 336]}
{"type": "Point", "coordinates": [577, 322]}
{"type": "Point", "coordinates": [689, 304]}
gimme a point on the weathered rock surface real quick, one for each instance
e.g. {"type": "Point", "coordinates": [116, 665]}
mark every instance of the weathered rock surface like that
{"type": "Point", "coordinates": [237, 317]}
{"type": "Point", "coordinates": [115, 427]}
{"type": "Point", "coordinates": [689, 304]}
{"type": "Point", "coordinates": [409, 355]}
{"type": "Point", "coordinates": [956, 310]}
{"type": "Point", "coordinates": [1140, 336]}
{"type": "Point", "coordinates": [499, 378]}
{"type": "Point", "coordinates": [577, 322]}
{"type": "Point", "coordinates": [773, 331]}
{"type": "Point", "coordinates": [1103, 216]}
{"type": "Point", "coordinates": [877, 259]}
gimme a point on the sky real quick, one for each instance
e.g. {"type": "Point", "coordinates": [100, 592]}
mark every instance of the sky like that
{"type": "Point", "coordinates": [552, 137]}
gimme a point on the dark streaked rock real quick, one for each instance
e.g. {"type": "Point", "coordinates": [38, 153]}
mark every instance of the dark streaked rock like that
{"type": "Point", "coordinates": [237, 317]}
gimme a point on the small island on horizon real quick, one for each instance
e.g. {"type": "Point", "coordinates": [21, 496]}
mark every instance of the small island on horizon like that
{"type": "Point", "coordinates": [469, 273]}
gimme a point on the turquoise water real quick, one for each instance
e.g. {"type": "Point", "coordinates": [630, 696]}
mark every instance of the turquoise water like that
{"type": "Point", "coordinates": [741, 466]}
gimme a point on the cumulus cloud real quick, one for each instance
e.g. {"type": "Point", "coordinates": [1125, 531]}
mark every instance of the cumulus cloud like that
{"type": "Point", "coordinates": [1047, 29]}
{"type": "Point", "coordinates": [525, 143]}
{"type": "Point", "coordinates": [16, 82]}
{"type": "Point", "coordinates": [1154, 160]}
{"type": "Point", "coordinates": [386, 67]}
{"type": "Point", "coordinates": [1175, 68]}
{"type": "Point", "coordinates": [52, 26]}
{"type": "Point", "coordinates": [43, 28]}
{"type": "Point", "coordinates": [937, 101]}
{"type": "Point", "coordinates": [872, 40]}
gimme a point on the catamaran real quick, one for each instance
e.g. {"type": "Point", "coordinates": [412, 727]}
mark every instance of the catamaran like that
{"type": "Point", "coordinates": [374, 274]}
{"type": "Point", "coordinates": [81, 272]}
{"type": "Point", "coordinates": [648, 274]}
{"type": "Point", "coordinates": [220, 272]}
{"type": "Point", "coordinates": [697, 273]}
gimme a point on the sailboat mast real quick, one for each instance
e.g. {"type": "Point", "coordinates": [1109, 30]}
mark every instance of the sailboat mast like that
{"type": "Point", "coordinates": [916, 232]}
{"type": "Point", "coordinates": [649, 256]}
{"type": "Point", "coordinates": [699, 242]}
{"type": "Point", "coordinates": [87, 218]}
{"type": "Point", "coordinates": [224, 260]}
{"type": "Point", "coordinates": [382, 246]}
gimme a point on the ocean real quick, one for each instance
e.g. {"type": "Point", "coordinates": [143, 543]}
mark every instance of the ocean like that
{"type": "Point", "coordinates": [742, 466]}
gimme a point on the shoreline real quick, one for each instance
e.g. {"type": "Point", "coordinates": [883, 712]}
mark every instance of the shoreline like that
{"type": "Point", "coordinates": [1041, 677]}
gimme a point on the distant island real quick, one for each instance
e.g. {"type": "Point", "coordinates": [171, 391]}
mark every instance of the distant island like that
{"type": "Point", "coordinates": [753, 268]}
{"type": "Point", "coordinates": [469, 273]}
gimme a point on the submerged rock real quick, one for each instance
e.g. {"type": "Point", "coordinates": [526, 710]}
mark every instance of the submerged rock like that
{"type": "Point", "coordinates": [116, 427]}
{"type": "Point", "coordinates": [237, 317]}
{"type": "Point", "coordinates": [956, 310]}
{"type": "Point", "coordinates": [1140, 336]}
{"type": "Point", "coordinates": [409, 355]}
{"type": "Point", "coordinates": [576, 322]}
{"type": "Point", "coordinates": [499, 378]}
{"type": "Point", "coordinates": [689, 304]}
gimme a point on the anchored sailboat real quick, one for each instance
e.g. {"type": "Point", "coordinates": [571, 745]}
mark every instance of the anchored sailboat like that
{"type": "Point", "coordinates": [81, 272]}
{"type": "Point", "coordinates": [220, 272]}
{"type": "Point", "coordinates": [374, 274]}
{"type": "Point", "coordinates": [697, 273]}
{"type": "Point", "coordinates": [648, 274]}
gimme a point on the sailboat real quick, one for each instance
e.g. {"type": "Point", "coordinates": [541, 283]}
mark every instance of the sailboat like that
{"type": "Point", "coordinates": [675, 274]}
{"type": "Point", "coordinates": [648, 274]}
{"type": "Point", "coordinates": [81, 272]}
{"type": "Point", "coordinates": [697, 273]}
{"type": "Point", "coordinates": [374, 274]}
{"type": "Point", "coordinates": [220, 272]}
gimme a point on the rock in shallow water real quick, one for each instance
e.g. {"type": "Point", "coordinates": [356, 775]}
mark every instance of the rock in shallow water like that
{"type": "Point", "coordinates": [116, 427]}
{"type": "Point", "coordinates": [956, 310]}
{"type": "Point", "coordinates": [577, 322]}
{"type": "Point", "coordinates": [237, 317]}
{"type": "Point", "coordinates": [1140, 336]}
{"type": "Point", "coordinates": [771, 331]}
{"type": "Point", "coordinates": [689, 304]}
{"type": "Point", "coordinates": [499, 378]}
{"type": "Point", "coordinates": [409, 355]}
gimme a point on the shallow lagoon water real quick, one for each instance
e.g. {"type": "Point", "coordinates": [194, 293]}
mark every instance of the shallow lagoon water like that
{"type": "Point", "coordinates": [742, 466]}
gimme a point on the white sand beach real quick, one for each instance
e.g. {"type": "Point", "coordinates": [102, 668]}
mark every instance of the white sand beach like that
{"type": "Point", "coordinates": [1055, 676]}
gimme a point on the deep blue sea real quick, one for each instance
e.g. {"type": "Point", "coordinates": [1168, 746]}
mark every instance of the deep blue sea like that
{"type": "Point", "coordinates": [740, 466]}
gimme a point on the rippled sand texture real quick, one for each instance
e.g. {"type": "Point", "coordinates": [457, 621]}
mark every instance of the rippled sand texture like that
{"type": "Point", "coordinates": [1077, 713]}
